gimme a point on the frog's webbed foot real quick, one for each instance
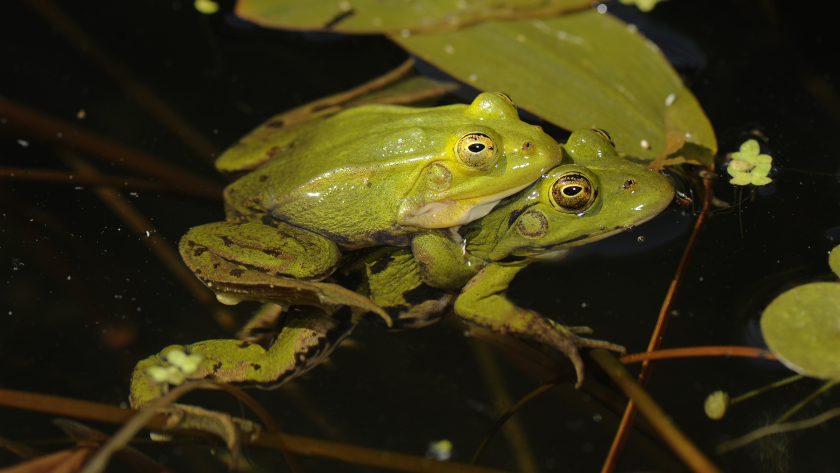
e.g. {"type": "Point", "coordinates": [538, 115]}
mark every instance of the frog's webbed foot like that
{"type": "Point", "coordinates": [580, 330]}
{"type": "Point", "coordinates": [307, 337]}
{"type": "Point", "coordinates": [566, 340]}
{"type": "Point", "coordinates": [483, 302]}
{"type": "Point", "coordinates": [230, 429]}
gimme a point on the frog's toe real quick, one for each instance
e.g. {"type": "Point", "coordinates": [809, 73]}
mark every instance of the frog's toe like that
{"type": "Point", "coordinates": [590, 343]}
{"type": "Point", "coordinates": [579, 330]}
{"type": "Point", "coordinates": [571, 350]}
{"type": "Point", "coordinates": [577, 361]}
{"type": "Point", "coordinates": [230, 429]}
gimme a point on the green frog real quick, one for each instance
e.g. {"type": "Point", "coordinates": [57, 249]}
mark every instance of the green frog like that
{"type": "Point", "coordinates": [368, 176]}
{"type": "Point", "coordinates": [592, 195]}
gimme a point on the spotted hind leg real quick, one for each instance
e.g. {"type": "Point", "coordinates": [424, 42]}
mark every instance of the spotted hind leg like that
{"type": "Point", "coordinates": [307, 337]}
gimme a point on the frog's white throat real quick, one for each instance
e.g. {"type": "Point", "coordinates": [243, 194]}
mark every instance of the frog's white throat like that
{"type": "Point", "coordinates": [455, 213]}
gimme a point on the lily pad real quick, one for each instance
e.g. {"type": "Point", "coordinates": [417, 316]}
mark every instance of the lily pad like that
{"type": "Point", "coordinates": [802, 327]}
{"type": "Point", "coordinates": [834, 260]}
{"type": "Point", "coordinates": [381, 16]}
{"type": "Point", "coordinates": [580, 70]}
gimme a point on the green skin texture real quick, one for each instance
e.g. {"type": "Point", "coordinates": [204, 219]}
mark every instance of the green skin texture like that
{"type": "Point", "coordinates": [415, 287]}
{"type": "Point", "coordinates": [369, 176]}
{"type": "Point", "coordinates": [374, 175]}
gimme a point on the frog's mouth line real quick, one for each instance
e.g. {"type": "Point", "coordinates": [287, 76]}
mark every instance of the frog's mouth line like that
{"type": "Point", "coordinates": [553, 254]}
{"type": "Point", "coordinates": [460, 212]}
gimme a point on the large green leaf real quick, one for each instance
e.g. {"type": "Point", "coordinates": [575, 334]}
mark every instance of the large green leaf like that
{"type": "Point", "coordinates": [380, 16]}
{"type": "Point", "coordinates": [579, 70]}
{"type": "Point", "coordinates": [802, 327]}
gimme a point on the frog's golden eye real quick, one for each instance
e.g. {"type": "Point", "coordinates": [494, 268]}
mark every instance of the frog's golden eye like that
{"type": "Point", "coordinates": [475, 149]}
{"type": "Point", "coordinates": [605, 135]}
{"type": "Point", "coordinates": [506, 97]}
{"type": "Point", "coordinates": [572, 193]}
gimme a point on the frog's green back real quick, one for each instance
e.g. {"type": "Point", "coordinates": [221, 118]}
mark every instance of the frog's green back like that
{"type": "Point", "coordinates": [260, 145]}
{"type": "Point", "coordinates": [374, 174]}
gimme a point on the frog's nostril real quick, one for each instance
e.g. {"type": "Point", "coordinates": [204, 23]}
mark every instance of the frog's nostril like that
{"type": "Point", "coordinates": [527, 147]}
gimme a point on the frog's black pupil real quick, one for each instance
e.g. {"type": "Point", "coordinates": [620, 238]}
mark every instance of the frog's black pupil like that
{"type": "Point", "coordinates": [572, 191]}
{"type": "Point", "coordinates": [476, 147]}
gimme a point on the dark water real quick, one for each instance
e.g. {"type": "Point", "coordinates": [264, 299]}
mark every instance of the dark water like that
{"type": "Point", "coordinates": [82, 299]}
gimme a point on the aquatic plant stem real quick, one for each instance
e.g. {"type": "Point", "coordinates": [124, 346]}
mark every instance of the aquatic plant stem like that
{"type": "Point", "coordinates": [694, 352]}
{"type": "Point", "coordinates": [756, 392]}
{"type": "Point", "coordinates": [777, 429]}
{"type": "Point", "coordinates": [162, 249]}
{"type": "Point", "coordinates": [679, 443]}
{"type": "Point", "coordinates": [495, 382]}
{"type": "Point", "coordinates": [568, 376]}
{"type": "Point", "coordinates": [659, 331]}
{"type": "Point", "coordinates": [40, 126]}
{"type": "Point", "coordinates": [79, 409]}
{"type": "Point", "coordinates": [335, 103]}
{"type": "Point", "coordinates": [793, 410]}
{"type": "Point", "coordinates": [76, 179]}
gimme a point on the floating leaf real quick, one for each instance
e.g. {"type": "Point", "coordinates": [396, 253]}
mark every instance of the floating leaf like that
{"type": "Point", "coordinates": [580, 70]}
{"type": "Point", "coordinates": [643, 5]}
{"type": "Point", "coordinates": [748, 166]}
{"type": "Point", "coordinates": [802, 327]}
{"type": "Point", "coordinates": [381, 16]}
{"type": "Point", "coordinates": [834, 260]}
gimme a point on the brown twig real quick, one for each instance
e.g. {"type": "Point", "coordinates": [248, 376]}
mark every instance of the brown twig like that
{"type": "Point", "coordinates": [56, 405]}
{"type": "Point", "coordinates": [692, 352]}
{"type": "Point", "coordinates": [333, 102]}
{"type": "Point", "coordinates": [143, 96]}
{"type": "Point", "coordinates": [659, 331]}
{"type": "Point", "coordinates": [48, 129]}
{"type": "Point", "coordinates": [268, 420]}
{"type": "Point", "coordinates": [84, 433]}
{"type": "Point", "coordinates": [150, 237]}
{"type": "Point", "coordinates": [130, 428]}
{"type": "Point", "coordinates": [76, 179]}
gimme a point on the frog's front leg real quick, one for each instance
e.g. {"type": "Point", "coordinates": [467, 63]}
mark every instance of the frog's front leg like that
{"type": "Point", "coordinates": [394, 282]}
{"type": "Point", "coordinates": [307, 337]}
{"type": "Point", "coordinates": [483, 302]}
{"type": "Point", "coordinates": [442, 259]}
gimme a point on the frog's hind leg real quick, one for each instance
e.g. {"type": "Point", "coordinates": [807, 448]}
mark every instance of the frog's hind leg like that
{"type": "Point", "coordinates": [307, 337]}
{"type": "Point", "coordinates": [270, 261]}
{"type": "Point", "coordinates": [228, 251]}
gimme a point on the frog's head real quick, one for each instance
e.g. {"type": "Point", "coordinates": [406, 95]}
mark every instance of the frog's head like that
{"type": "Point", "coordinates": [491, 154]}
{"type": "Point", "coordinates": [592, 195]}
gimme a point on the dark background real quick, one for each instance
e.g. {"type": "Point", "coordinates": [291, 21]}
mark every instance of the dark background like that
{"type": "Point", "coordinates": [70, 267]}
